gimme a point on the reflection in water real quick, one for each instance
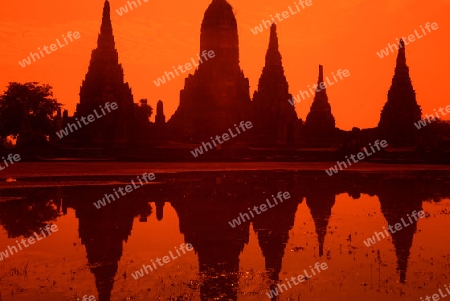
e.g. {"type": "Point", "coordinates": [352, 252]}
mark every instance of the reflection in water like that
{"type": "Point", "coordinates": [205, 204]}
{"type": "Point", "coordinates": [398, 198]}
{"type": "Point", "coordinates": [26, 215]}
{"type": "Point", "coordinates": [320, 199]}
{"type": "Point", "coordinates": [104, 230]}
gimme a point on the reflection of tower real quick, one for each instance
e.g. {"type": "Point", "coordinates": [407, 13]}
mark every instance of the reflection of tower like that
{"type": "Point", "coordinates": [103, 236]}
{"type": "Point", "coordinates": [218, 247]}
{"type": "Point", "coordinates": [204, 214]}
{"type": "Point", "coordinates": [205, 209]}
{"type": "Point", "coordinates": [399, 198]}
{"type": "Point", "coordinates": [320, 124]}
{"type": "Point", "coordinates": [401, 109]}
{"type": "Point", "coordinates": [272, 228]}
{"type": "Point", "coordinates": [159, 210]}
{"type": "Point", "coordinates": [217, 94]}
{"type": "Point", "coordinates": [103, 232]}
{"type": "Point", "coordinates": [274, 117]}
{"type": "Point", "coordinates": [320, 202]}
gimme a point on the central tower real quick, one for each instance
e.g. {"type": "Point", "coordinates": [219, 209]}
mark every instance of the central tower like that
{"type": "Point", "coordinates": [217, 95]}
{"type": "Point", "coordinates": [219, 33]}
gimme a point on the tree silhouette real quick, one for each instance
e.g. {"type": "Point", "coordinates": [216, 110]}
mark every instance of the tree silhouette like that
{"type": "Point", "coordinates": [28, 102]}
{"type": "Point", "coordinates": [143, 112]}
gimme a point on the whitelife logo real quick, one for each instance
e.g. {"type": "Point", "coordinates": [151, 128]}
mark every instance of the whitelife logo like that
{"type": "Point", "coordinates": [165, 260]}
{"type": "Point", "coordinates": [162, 80]}
{"type": "Point", "coordinates": [436, 296]}
{"type": "Point", "coordinates": [237, 221]}
{"type": "Point", "coordinates": [110, 198]}
{"type": "Point", "coordinates": [428, 118]}
{"type": "Point", "coordinates": [53, 48]}
{"type": "Point", "coordinates": [280, 17]}
{"type": "Point", "coordinates": [11, 158]}
{"type": "Point", "coordinates": [397, 227]}
{"type": "Point", "coordinates": [360, 155]}
{"type": "Point", "coordinates": [124, 9]}
{"type": "Point", "coordinates": [31, 240]}
{"type": "Point", "coordinates": [319, 87]}
{"type": "Point", "coordinates": [296, 280]}
{"type": "Point", "coordinates": [411, 38]}
{"type": "Point", "coordinates": [199, 150]}
{"type": "Point", "coordinates": [91, 118]}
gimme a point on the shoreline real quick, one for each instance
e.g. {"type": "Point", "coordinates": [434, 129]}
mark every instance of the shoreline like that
{"type": "Point", "coordinates": [26, 175]}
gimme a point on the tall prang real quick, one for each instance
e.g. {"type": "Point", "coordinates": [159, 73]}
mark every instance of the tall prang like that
{"type": "Point", "coordinates": [275, 117]}
{"type": "Point", "coordinates": [104, 83]}
{"type": "Point", "coordinates": [320, 126]}
{"type": "Point", "coordinates": [217, 95]}
{"type": "Point", "coordinates": [401, 110]}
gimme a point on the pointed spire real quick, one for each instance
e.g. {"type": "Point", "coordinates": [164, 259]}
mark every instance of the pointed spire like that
{"type": "Point", "coordinates": [401, 69]}
{"type": "Point", "coordinates": [106, 27]}
{"type": "Point", "coordinates": [401, 57]}
{"type": "Point", "coordinates": [399, 129]}
{"type": "Point", "coordinates": [320, 78]}
{"type": "Point", "coordinates": [106, 38]}
{"type": "Point", "coordinates": [321, 99]}
{"type": "Point", "coordinates": [270, 100]}
{"type": "Point", "coordinates": [273, 56]}
{"type": "Point", "coordinates": [401, 74]}
{"type": "Point", "coordinates": [320, 124]}
{"type": "Point", "coordinates": [104, 82]}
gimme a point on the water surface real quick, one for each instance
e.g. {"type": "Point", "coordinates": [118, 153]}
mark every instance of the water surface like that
{"type": "Point", "coordinates": [96, 251]}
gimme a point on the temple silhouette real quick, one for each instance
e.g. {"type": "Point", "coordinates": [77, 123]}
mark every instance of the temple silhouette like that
{"type": "Point", "coordinates": [217, 96]}
{"type": "Point", "coordinates": [275, 118]}
{"type": "Point", "coordinates": [401, 110]}
{"type": "Point", "coordinates": [320, 127]}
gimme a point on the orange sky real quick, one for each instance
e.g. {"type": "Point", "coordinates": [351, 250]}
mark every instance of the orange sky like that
{"type": "Point", "coordinates": [160, 34]}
